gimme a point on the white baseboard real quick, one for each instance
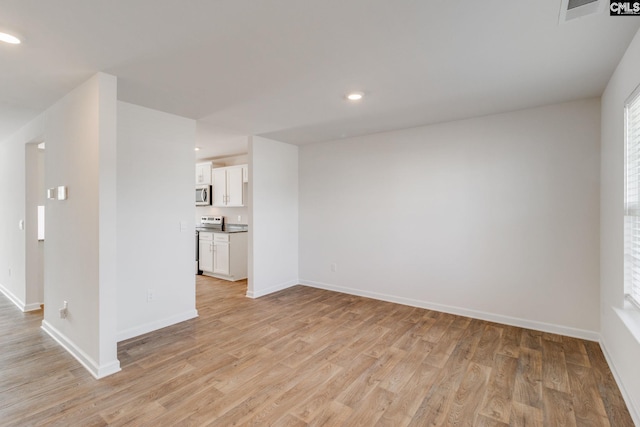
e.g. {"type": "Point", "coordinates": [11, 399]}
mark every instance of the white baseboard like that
{"type": "Point", "coordinates": [97, 370]}
{"type": "Point", "coordinates": [18, 302]}
{"type": "Point", "coordinates": [633, 411]}
{"type": "Point", "coordinates": [491, 317]}
{"type": "Point", "coordinates": [272, 289]}
{"type": "Point", "coordinates": [223, 277]}
{"type": "Point", "coordinates": [155, 325]}
{"type": "Point", "coordinates": [33, 307]}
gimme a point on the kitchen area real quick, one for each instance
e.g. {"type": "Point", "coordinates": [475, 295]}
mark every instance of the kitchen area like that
{"type": "Point", "coordinates": [221, 216]}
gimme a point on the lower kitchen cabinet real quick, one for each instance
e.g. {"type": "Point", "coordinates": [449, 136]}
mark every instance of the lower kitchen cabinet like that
{"type": "Point", "coordinates": [225, 253]}
{"type": "Point", "coordinates": [221, 256]}
{"type": "Point", "coordinates": [205, 251]}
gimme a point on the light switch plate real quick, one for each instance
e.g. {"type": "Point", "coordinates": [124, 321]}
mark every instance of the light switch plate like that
{"type": "Point", "coordinates": [62, 193]}
{"type": "Point", "coordinates": [51, 193]}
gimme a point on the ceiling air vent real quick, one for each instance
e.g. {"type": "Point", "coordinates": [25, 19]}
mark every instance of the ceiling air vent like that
{"type": "Point", "coordinates": [572, 9]}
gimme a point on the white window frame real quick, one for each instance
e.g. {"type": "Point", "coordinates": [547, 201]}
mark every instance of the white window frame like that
{"type": "Point", "coordinates": [632, 198]}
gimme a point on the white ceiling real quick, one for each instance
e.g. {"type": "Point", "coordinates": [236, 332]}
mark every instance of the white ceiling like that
{"type": "Point", "coordinates": [279, 68]}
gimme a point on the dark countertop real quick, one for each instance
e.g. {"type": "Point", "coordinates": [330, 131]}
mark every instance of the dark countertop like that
{"type": "Point", "coordinates": [230, 228]}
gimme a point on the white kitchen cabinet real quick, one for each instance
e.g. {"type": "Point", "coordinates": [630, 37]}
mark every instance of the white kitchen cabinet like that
{"type": "Point", "coordinates": [219, 179]}
{"type": "Point", "coordinates": [245, 173]}
{"type": "Point", "coordinates": [203, 173]}
{"type": "Point", "coordinates": [221, 254]}
{"type": "Point", "coordinates": [227, 256]}
{"type": "Point", "coordinates": [228, 186]}
{"type": "Point", "coordinates": [235, 187]}
{"type": "Point", "coordinates": [205, 252]}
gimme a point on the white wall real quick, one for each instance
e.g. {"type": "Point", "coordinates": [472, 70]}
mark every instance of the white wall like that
{"type": "Point", "coordinates": [273, 216]}
{"type": "Point", "coordinates": [79, 251]}
{"type": "Point", "coordinates": [13, 277]}
{"type": "Point", "coordinates": [155, 196]}
{"type": "Point", "coordinates": [494, 217]}
{"type": "Point", "coordinates": [620, 345]}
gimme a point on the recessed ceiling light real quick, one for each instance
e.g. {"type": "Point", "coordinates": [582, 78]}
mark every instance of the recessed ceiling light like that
{"type": "Point", "coordinates": [8, 38]}
{"type": "Point", "coordinates": [355, 96]}
{"type": "Point", "coordinates": [197, 149]}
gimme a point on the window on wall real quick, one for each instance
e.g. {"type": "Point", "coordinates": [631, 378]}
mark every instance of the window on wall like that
{"type": "Point", "coordinates": [632, 198]}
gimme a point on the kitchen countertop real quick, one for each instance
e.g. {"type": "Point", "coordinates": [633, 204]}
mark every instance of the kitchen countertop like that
{"type": "Point", "coordinates": [230, 228]}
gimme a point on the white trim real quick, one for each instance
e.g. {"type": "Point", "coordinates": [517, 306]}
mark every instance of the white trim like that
{"type": "Point", "coordinates": [633, 411]}
{"type": "Point", "coordinates": [33, 307]}
{"type": "Point", "coordinates": [21, 305]}
{"type": "Point", "coordinates": [221, 276]}
{"type": "Point", "coordinates": [635, 305]}
{"type": "Point", "coordinates": [631, 213]}
{"type": "Point", "coordinates": [98, 371]}
{"type": "Point", "coordinates": [272, 289]}
{"type": "Point", "coordinates": [567, 15]}
{"type": "Point", "coordinates": [14, 299]}
{"type": "Point", "coordinates": [155, 325]}
{"type": "Point", "coordinates": [482, 315]}
{"type": "Point", "coordinates": [630, 317]}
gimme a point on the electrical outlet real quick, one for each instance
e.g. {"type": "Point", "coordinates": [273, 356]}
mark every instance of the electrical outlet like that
{"type": "Point", "coordinates": [334, 267]}
{"type": "Point", "coordinates": [150, 295]}
{"type": "Point", "coordinates": [239, 218]}
{"type": "Point", "coordinates": [64, 310]}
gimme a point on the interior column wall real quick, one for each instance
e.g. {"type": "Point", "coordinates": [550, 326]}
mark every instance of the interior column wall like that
{"type": "Point", "coordinates": [79, 253]}
{"type": "Point", "coordinates": [273, 216]}
{"type": "Point", "coordinates": [155, 226]}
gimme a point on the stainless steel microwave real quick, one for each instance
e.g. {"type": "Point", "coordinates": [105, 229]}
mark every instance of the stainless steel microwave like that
{"type": "Point", "coordinates": [203, 195]}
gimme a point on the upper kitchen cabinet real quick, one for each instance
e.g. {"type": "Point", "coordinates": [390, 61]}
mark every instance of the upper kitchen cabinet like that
{"type": "Point", "coordinates": [203, 173]}
{"type": "Point", "coordinates": [228, 189]}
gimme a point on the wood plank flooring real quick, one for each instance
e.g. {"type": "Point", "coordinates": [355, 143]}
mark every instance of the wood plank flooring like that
{"type": "Point", "coordinates": [309, 357]}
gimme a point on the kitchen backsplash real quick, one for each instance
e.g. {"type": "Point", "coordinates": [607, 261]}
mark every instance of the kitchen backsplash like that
{"type": "Point", "coordinates": [230, 214]}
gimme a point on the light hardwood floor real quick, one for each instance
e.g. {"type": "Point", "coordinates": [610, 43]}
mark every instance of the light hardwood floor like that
{"type": "Point", "coordinates": [305, 356]}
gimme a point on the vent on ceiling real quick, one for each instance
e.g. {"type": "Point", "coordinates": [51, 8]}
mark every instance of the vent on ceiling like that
{"type": "Point", "coordinates": [572, 9]}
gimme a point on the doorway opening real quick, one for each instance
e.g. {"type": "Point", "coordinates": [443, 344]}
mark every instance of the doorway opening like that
{"type": "Point", "coordinates": [34, 225]}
